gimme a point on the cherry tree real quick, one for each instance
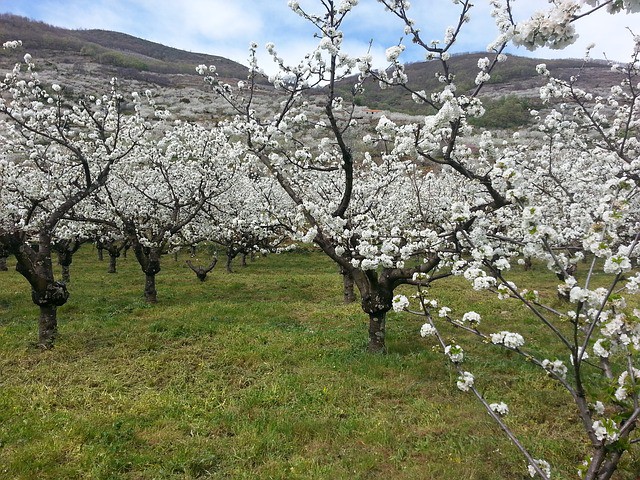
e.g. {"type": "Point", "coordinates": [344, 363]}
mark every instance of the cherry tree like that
{"type": "Point", "coordinates": [114, 242]}
{"type": "Point", "coordinates": [157, 193]}
{"type": "Point", "coordinates": [575, 195]}
{"type": "Point", "coordinates": [357, 193]}
{"type": "Point", "coordinates": [56, 151]}
{"type": "Point", "coordinates": [244, 220]}
{"type": "Point", "coordinates": [317, 162]}
{"type": "Point", "coordinates": [68, 239]}
{"type": "Point", "coordinates": [571, 192]}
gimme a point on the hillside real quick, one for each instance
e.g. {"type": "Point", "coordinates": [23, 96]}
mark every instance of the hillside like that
{"type": "Point", "coordinates": [112, 49]}
{"type": "Point", "coordinates": [516, 77]}
{"type": "Point", "coordinates": [84, 56]}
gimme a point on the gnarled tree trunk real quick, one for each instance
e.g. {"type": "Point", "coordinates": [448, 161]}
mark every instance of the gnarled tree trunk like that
{"type": "Point", "coordinates": [113, 262]}
{"type": "Point", "coordinates": [100, 249]}
{"type": "Point", "coordinates": [230, 256]}
{"type": "Point", "coordinates": [348, 286]}
{"type": "Point", "coordinates": [149, 260]}
{"type": "Point", "coordinates": [65, 250]}
{"type": "Point", "coordinates": [114, 248]}
{"type": "Point", "coordinates": [34, 263]}
{"type": "Point", "coordinates": [377, 300]}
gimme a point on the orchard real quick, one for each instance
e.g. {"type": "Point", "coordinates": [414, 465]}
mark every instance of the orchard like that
{"type": "Point", "coordinates": [398, 206]}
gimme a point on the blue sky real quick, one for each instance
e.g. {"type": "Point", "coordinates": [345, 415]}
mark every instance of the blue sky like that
{"type": "Point", "coordinates": [226, 27]}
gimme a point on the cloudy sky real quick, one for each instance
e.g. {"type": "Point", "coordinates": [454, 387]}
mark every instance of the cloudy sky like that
{"type": "Point", "coordinates": [226, 27]}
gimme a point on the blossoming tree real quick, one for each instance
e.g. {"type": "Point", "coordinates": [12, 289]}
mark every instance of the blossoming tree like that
{"type": "Point", "coordinates": [56, 151]}
{"type": "Point", "coordinates": [336, 189]}
{"type": "Point", "coordinates": [244, 219]}
{"type": "Point", "coordinates": [571, 193]}
{"type": "Point", "coordinates": [160, 191]}
{"type": "Point", "coordinates": [358, 192]}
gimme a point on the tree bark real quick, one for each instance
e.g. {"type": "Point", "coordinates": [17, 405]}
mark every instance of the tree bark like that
{"type": "Point", "coordinates": [34, 263]}
{"type": "Point", "coordinates": [348, 286]}
{"type": "Point", "coordinates": [377, 332]}
{"type": "Point", "coordinates": [114, 248]}
{"type": "Point", "coordinates": [4, 255]}
{"type": "Point", "coordinates": [65, 250]}
{"type": "Point", "coordinates": [66, 274]}
{"type": "Point", "coordinates": [149, 260]}
{"type": "Point", "coordinates": [113, 261]}
{"type": "Point", "coordinates": [47, 326]}
{"type": "Point", "coordinates": [150, 292]}
{"type": "Point", "coordinates": [377, 300]}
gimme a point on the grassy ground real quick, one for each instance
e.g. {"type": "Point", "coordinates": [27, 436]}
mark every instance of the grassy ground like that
{"type": "Point", "coordinates": [259, 374]}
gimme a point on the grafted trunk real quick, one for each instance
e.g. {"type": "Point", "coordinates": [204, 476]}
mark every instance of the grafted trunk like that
{"type": "Point", "coordinates": [34, 263]}
{"type": "Point", "coordinates": [48, 295]}
{"type": "Point", "coordinates": [377, 298]}
{"type": "Point", "coordinates": [114, 248]}
{"type": "Point", "coordinates": [65, 250]}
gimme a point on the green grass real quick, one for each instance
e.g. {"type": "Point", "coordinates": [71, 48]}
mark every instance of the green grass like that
{"type": "Point", "coordinates": [260, 374]}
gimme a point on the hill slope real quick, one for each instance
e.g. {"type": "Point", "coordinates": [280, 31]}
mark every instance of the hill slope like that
{"type": "Point", "coordinates": [108, 48]}
{"type": "Point", "coordinates": [517, 76]}
{"type": "Point", "coordinates": [84, 56]}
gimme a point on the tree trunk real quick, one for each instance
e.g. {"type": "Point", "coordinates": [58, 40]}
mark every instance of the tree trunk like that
{"type": "Point", "coordinates": [100, 252]}
{"type": "Point", "coordinates": [149, 260]}
{"type": "Point", "coordinates": [4, 255]}
{"type": "Point", "coordinates": [47, 326]}
{"type": "Point", "coordinates": [65, 250]}
{"type": "Point", "coordinates": [229, 260]}
{"type": "Point", "coordinates": [377, 300]}
{"type": "Point", "coordinates": [348, 284]}
{"type": "Point", "coordinates": [66, 274]}
{"type": "Point", "coordinates": [113, 260]}
{"type": "Point", "coordinates": [49, 295]}
{"type": "Point", "coordinates": [150, 292]}
{"type": "Point", "coordinates": [34, 263]}
{"type": "Point", "coordinates": [377, 332]}
{"type": "Point", "coordinates": [244, 259]}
